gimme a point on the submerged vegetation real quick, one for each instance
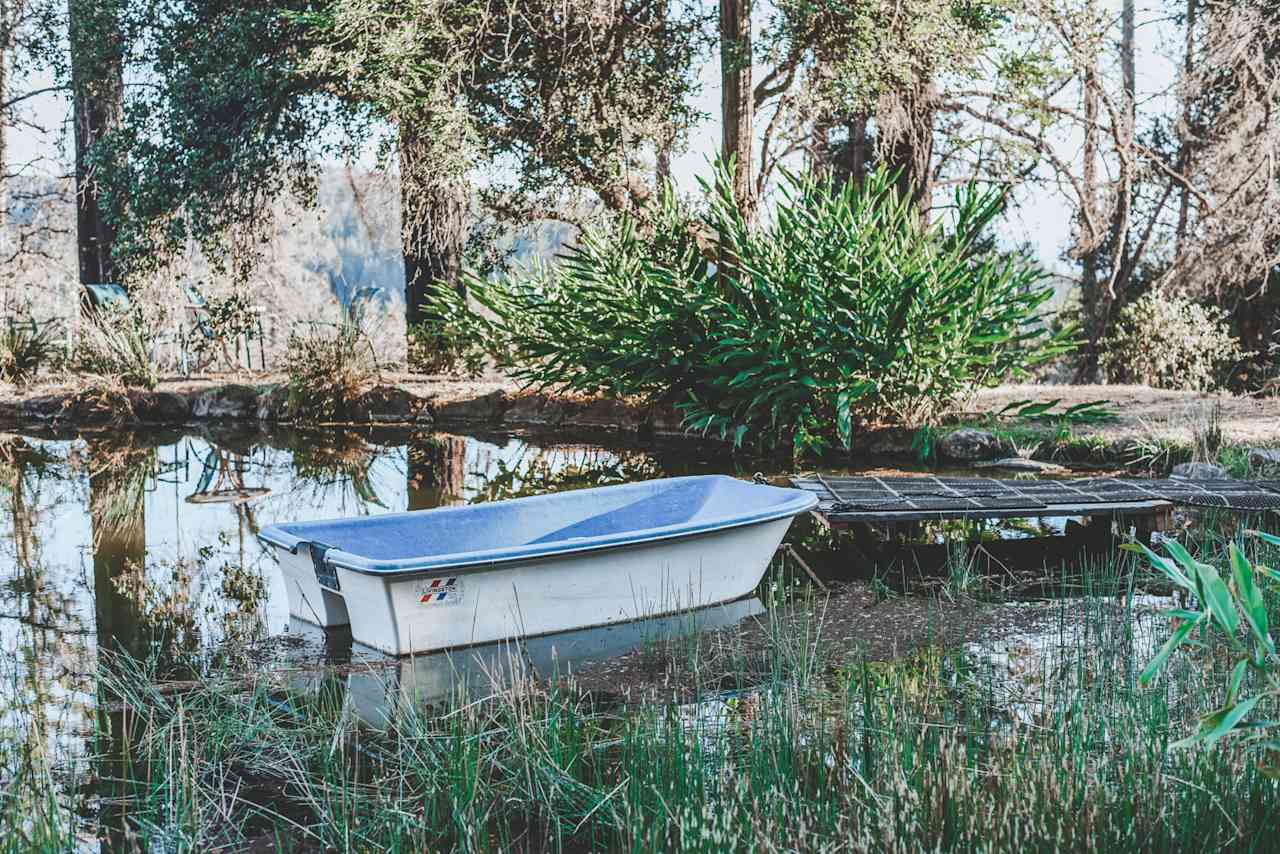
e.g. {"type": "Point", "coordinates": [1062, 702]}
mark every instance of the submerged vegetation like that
{"type": "Point", "coordinates": [843, 311]}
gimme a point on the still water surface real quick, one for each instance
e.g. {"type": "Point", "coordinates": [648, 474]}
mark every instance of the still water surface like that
{"type": "Point", "coordinates": [147, 544]}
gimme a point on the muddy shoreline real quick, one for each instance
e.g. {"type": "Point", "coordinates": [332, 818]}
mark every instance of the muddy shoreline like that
{"type": "Point", "coordinates": [1146, 417]}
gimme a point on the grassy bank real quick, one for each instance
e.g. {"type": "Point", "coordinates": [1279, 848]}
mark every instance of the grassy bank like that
{"type": "Point", "coordinates": [1047, 743]}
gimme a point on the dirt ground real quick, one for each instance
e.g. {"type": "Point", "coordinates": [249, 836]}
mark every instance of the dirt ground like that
{"type": "Point", "coordinates": [1147, 413]}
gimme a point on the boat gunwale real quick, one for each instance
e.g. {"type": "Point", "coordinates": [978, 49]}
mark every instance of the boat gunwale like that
{"type": "Point", "coordinates": [482, 561]}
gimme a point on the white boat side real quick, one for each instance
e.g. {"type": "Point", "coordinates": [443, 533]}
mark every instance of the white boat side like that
{"type": "Point", "coordinates": [533, 566]}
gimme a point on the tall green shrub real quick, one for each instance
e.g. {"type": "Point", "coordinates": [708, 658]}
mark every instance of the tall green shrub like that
{"type": "Point", "coordinates": [841, 311]}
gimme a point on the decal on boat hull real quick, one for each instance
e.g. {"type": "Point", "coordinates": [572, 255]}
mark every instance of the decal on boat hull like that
{"type": "Point", "coordinates": [440, 591]}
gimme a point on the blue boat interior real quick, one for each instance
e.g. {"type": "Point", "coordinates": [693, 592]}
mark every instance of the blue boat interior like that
{"type": "Point", "coordinates": [542, 524]}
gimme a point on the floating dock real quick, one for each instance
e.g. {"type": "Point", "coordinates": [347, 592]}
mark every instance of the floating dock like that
{"type": "Point", "coordinates": [844, 502]}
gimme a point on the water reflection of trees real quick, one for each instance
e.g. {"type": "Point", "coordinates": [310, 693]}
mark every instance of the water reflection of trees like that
{"type": "Point", "coordinates": [120, 472]}
{"type": "Point", "coordinates": [171, 611]}
{"type": "Point", "coordinates": [47, 671]}
{"type": "Point", "coordinates": [536, 470]}
{"type": "Point", "coordinates": [339, 466]}
{"type": "Point", "coordinates": [435, 471]}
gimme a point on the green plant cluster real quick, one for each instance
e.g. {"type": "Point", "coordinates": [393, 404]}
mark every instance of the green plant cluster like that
{"type": "Point", "coordinates": [329, 369]}
{"type": "Point", "coordinates": [843, 310]}
{"type": "Point", "coordinates": [24, 349]}
{"type": "Point", "coordinates": [1167, 341]}
{"type": "Point", "coordinates": [445, 346]}
{"type": "Point", "coordinates": [119, 346]}
{"type": "Point", "coordinates": [1232, 613]}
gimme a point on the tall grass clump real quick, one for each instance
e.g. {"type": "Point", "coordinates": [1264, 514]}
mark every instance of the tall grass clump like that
{"type": "Point", "coordinates": [24, 349]}
{"type": "Point", "coordinates": [944, 750]}
{"type": "Point", "coordinates": [843, 309]}
{"type": "Point", "coordinates": [118, 346]}
{"type": "Point", "coordinates": [329, 368]}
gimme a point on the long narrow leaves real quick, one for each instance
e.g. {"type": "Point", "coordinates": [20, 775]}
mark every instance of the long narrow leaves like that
{"type": "Point", "coordinates": [842, 310]}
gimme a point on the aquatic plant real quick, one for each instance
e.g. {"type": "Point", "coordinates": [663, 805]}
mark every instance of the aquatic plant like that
{"type": "Point", "coordinates": [842, 311]}
{"type": "Point", "coordinates": [941, 750]}
{"type": "Point", "coordinates": [1230, 609]}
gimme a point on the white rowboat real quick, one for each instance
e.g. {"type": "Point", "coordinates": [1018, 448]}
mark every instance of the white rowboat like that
{"type": "Point", "coordinates": [436, 579]}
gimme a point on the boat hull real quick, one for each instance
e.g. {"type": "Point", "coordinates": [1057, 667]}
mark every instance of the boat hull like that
{"type": "Point", "coordinates": [419, 612]}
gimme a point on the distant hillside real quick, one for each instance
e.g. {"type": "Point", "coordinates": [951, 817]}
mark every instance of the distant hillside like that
{"type": "Point", "coordinates": [311, 265]}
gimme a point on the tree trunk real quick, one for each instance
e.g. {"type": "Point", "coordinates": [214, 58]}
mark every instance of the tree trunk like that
{"type": "Point", "coordinates": [97, 81]}
{"type": "Point", "coordinates": [908, 143]}
{"type": "Point", "coordinates": [737, 98]}
{"type": "Point", "coordinates": [5, 29]}
{"type": "Point", "coordinates": [433, 210]}
{"type": "Point", "coordinates": [842, 161]}
{"type": "Point", "coordinates": [851, 159]}
{"type": "Point", "coordinates": [1185, 132]}
{"type": "Point", "coordinates": [662, 164]}
{"type": "Point", "coordinates": [1094, 307]}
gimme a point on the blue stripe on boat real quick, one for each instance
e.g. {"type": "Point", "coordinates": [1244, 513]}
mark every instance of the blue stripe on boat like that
{"type": "Point", "coordinates": [543, 525]}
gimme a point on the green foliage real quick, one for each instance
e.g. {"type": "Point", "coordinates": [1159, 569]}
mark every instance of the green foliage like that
{"type": "Point", "coordinates": [1228, 608]}
{"type": "Point", "coordinates": [1089, 412]}
{"type": "Point", "coordinates": [445, 346]}
{"type": "Point", "coordinates": [243, 101]}
{"type": "Point", "coordinates": [842, 310]}
{"type": "Point", "coordinates": [24, 348]}
{"type": "Point", "coordinates": [223, 319]}
{"type": "Point", "coordinates": [227, 123]}
{"type": "Point", "coordinates": [1171, 342]}
{"type": "Point", "coordinates": [329, 369]}
{"type": "Point", "coordinates": [117, 345]}
{"type": "Point", "coordinates": [924, 444]}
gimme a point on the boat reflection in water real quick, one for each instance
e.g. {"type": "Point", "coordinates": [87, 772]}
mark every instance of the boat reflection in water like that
{"type": "Point", "coordinates": [374, 692]}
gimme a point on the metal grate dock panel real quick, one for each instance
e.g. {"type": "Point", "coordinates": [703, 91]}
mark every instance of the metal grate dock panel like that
{"type": "Point", "coordinates": [843, 500]}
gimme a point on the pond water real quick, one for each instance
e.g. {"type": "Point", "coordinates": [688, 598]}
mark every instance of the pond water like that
{"type": "Point", "coordinates": [147, 544]}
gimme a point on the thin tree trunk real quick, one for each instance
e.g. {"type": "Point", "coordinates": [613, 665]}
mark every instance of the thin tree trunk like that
{"type": "Point", "coordinates": [852, 162]}
{"type": "Point", "coordinates": [662, 168]}
{"type": "Point", "coordinates": [5, 27]}
{"type": "Point", "coordinates": [1121, 268]}
{"type": "Point", "coordinates": [433, 210]}
{"type": "Point", "coordinates": [1185, 142]}
{"type": "Point", "coordinates": [5, 30]}
{"type": "Point", "coordinates": [737, 97]}
{"type": "Point", "coordinates": [1092, 304]}
{"type": "Point", "coordinates": [97, 80]}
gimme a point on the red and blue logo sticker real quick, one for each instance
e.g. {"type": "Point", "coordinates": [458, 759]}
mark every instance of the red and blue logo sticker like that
{"type": "Point", "coordinates": [440, 591]}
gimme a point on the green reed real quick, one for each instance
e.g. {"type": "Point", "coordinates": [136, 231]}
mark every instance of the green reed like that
{"type": "Point", "coordinates": [1058, 747]}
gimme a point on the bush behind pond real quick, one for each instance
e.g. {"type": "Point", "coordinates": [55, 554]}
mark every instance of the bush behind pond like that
{"type": "Point", "coordinates": [842, 310]}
